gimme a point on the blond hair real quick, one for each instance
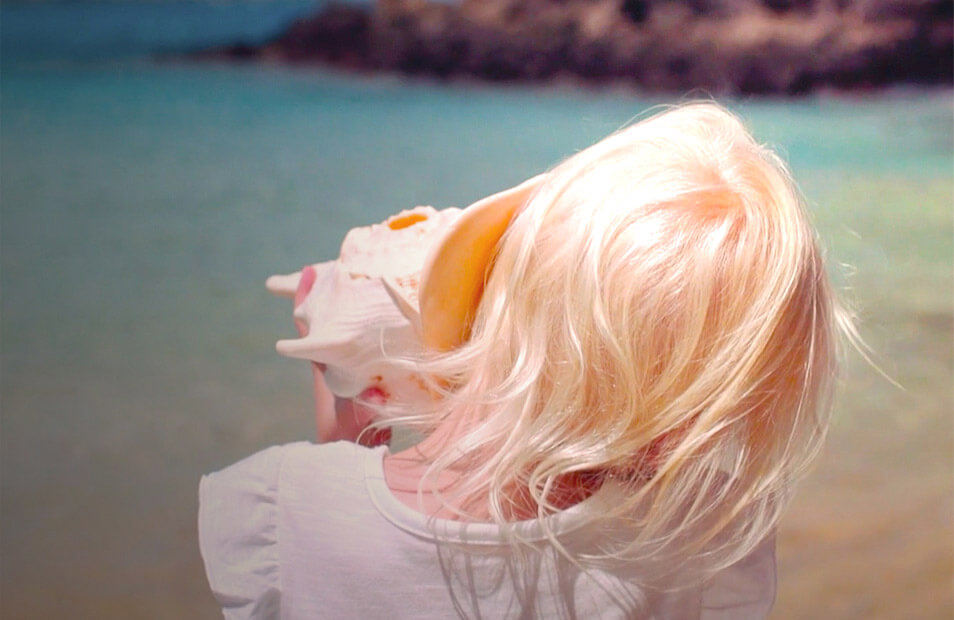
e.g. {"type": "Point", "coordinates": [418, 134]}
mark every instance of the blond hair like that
{"type": "Point", "coordinates": [658, 316]}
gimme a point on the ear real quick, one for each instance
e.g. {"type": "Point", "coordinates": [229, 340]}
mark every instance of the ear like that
{"type": "Point", "coordinates": [455, 270]}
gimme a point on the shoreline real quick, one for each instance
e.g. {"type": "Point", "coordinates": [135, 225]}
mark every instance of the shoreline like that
{"type": "Point", "coordinates": [572, 87]}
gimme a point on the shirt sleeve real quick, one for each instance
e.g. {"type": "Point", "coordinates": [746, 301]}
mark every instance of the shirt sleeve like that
{"type": "Point", "coordinates": [745, 590]}
{"type": "Point", "coordinates": [238, 535]}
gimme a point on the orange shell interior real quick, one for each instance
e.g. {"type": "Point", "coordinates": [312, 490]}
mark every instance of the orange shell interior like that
{"type": "Point", "coordinates": [404, 221]}
{"type": "Point", "coordinates": [454, 273]}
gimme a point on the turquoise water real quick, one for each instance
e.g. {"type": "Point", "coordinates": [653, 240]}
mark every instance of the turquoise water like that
{"type": "Point", "coordinates": [144, 203]}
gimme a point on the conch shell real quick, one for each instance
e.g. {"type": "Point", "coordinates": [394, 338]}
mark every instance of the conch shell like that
{"type": "Point", "coordinates": [408, 284]}
{"type": "Point", "coordinates": [363, 307]}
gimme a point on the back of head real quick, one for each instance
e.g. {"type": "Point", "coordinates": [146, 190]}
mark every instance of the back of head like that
{"type": "Point", "coordinates": [659, 313]}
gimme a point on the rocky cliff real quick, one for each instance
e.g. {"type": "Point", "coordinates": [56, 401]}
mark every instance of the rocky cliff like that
{"type": "Point", "coordinates": [719, 46]}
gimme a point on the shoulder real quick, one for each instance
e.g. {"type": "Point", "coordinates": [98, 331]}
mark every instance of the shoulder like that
{"type": "Point", "coordinates": [239, 510]}
{"type": "Point", "coordinates": [745, 590]}
{"type": "Point", "coordinates": [258, 478]}
{"type": "Point", "coordinates": [238, 535]}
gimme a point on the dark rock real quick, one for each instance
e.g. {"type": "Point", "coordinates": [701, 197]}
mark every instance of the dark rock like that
{"type": "Point", "coordinates": [242, 51]}
{"type": "Point", "coordinates": [339, 34]}
{"type": "Point", "coordinates": [716, 46]}
{"type": "Point", "coordinates": [786, 6]}
{"type": "Point", "coordinates": [635, 11]}
{"type": "Point", "coordinates": [917, 10]}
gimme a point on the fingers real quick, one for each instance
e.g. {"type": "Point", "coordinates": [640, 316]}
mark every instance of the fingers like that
{"type": "Point", "coordinates": [375, 437]}
{"type": "Point", "coordinates": [355, 415]}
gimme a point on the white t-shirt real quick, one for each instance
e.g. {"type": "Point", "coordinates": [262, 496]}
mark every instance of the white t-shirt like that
{"type": "Point", "coordinates": [312, 531]}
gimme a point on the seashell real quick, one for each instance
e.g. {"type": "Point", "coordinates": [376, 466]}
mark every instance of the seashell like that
{"type": "Point", "coordinates": [409, 283]}
{"type": "Point", "coordinates": [363, 307]}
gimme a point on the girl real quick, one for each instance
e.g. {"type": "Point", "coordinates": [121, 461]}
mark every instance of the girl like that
{"type": "Point", "coordinates": [627, 386]}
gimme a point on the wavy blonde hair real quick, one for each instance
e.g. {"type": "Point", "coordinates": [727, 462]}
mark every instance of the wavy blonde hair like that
{"type": "Point", "coordinates": [658, 316]}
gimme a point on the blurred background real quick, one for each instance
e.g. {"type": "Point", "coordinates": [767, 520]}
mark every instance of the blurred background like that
{"type": "Point", "coordinates": [145, 196]}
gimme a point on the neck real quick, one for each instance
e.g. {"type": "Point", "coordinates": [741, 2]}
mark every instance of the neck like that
{"type": "Point", "coordinates": [405, 470]}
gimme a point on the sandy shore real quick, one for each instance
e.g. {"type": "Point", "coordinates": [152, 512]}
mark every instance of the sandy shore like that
{"type": "Point", "coordinates": [871, 533]}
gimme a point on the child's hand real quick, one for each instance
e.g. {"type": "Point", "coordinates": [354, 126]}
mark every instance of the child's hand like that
{"type": "Point", "coordinates": [339, 418]}
{"type": "Point", "coordinates": [353, 417]}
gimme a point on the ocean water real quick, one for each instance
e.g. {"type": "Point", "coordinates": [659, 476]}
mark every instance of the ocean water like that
{"type": "Point", "coordinates": [144, 201]}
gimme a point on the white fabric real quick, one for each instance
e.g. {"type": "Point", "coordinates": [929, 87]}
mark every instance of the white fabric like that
{"type": "Point", "coordinates": [304, 531]}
